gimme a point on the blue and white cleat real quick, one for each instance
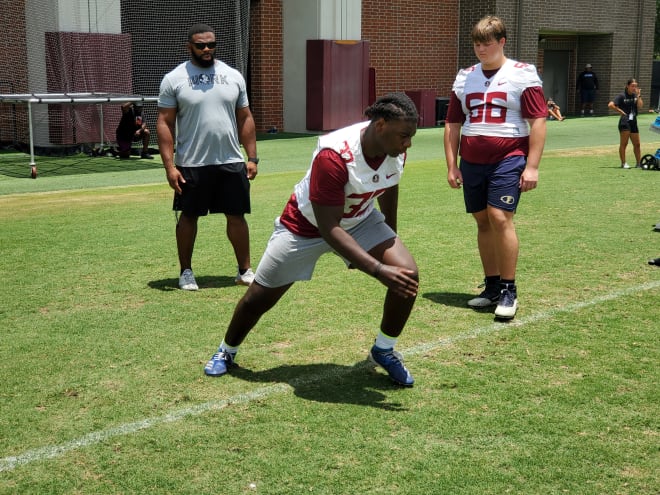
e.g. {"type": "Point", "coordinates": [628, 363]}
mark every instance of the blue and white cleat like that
{"type": "Point", "coordinates": [508, 303]}
{"type": "Point", "coordinates": [219, 363]}
{"type": "Point", "coordinates": [392, 362]}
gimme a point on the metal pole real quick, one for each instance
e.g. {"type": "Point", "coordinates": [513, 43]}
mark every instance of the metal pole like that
{"type": "Point", "coordinates": [32, 163]}
{"type": "Point", "coordinates": [101, 119]}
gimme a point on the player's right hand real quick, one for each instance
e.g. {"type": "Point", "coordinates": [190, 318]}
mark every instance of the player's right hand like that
{"type": "Point", "coordinates": [399, 280]}
{"type": "Point", "coordinates": [455, 178]}
{"type": "Point", "coordinates": [175, 179]}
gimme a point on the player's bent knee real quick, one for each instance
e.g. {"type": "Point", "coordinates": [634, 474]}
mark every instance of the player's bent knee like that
{"type": "Point", "coordinates": [415, 273]}
{"type": "Point", "coordinates": [409, 264]}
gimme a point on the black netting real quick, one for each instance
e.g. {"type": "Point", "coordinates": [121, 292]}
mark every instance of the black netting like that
{"type": "Point", "coordinates": [110, 48]}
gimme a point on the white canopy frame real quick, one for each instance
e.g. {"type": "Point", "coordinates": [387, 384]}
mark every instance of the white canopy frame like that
{"type": "Point", "coordinates": [100, 99]}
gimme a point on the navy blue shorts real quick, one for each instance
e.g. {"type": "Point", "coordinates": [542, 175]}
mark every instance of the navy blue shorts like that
{"type": "Point", "coordinates": [214, 189]}
{"type": "Point", "coordinates": [587, 95]}
{"type": "Point", "coordinates": [497, 185]}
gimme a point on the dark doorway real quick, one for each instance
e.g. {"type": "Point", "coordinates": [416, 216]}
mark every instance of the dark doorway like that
{"type": "Point", "coordinates": [555, 77]}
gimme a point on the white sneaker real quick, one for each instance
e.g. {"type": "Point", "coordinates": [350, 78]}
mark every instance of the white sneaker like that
{"type": "Point", "coordinates": [625, 165]}
{"type": "Point", "coordinates": [187, 280]}
{"type": "Point", "coordinates": [246, 278]}
{"type": "Point", "coordinates": [508, 303]}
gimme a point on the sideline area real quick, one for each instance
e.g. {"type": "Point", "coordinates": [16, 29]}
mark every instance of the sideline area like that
{"type": "Point", "coordinates": [291, 152]}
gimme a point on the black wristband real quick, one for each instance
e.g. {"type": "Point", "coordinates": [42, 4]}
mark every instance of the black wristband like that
{"type": "Point", "coordinates": [254, 160]}
{"type": "Point", "coordinates": [377, 270]}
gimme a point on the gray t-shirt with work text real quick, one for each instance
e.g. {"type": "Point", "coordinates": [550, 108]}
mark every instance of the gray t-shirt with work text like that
{"type": "Point", "coordinates": [206, 100]}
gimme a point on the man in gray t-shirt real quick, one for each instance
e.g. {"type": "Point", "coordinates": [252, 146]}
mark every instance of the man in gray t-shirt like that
{"type": "Point", "coordinates": [203, 105]}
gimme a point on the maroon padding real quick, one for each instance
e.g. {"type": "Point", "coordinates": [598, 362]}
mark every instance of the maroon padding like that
{"type": "Point", "coordinates": [337, 83]}
{"type": "Point", "coordinates": [424, 100]}
{"type": "Point", "coordinates": [86, 63]}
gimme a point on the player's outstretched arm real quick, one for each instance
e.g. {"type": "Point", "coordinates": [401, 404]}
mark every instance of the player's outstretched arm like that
{"type": "Point", "coordinates": [394, 277]}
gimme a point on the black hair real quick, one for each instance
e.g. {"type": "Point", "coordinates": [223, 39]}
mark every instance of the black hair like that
{"type": "Point", "coordinates": [393, 106]}
{"type": "Point", "coordinates": [199, 28]}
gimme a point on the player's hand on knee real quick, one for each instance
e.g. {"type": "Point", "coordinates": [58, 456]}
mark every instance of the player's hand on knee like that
{"type": "Point", "coordinates": [400, 280]}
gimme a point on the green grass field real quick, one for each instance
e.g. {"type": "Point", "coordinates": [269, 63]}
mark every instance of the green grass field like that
{"type": "Point", "coordinates": [101, 357]}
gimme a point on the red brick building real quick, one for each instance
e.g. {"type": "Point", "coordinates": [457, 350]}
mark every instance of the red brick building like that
{"type": "Point", "coordinates": [419, 45]}
{"type": "Point", "coordinates": [414, 46]}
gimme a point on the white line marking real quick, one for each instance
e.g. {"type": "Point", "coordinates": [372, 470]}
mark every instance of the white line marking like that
{"type": "Point", "coordinates": [543, 315]}
{"type": "Point", "coordinates": [96, 437]}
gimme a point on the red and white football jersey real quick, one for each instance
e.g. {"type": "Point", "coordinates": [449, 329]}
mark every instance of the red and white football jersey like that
{"type": "Point", "coordinates": [493, 105]}
{"type": "Point", "coordinates": [361, 182]}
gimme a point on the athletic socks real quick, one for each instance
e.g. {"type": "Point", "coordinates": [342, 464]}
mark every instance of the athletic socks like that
{"type": "Point", "coordinates": [224, 347]}
{"type": "Point", "coordinates": [385, 341]}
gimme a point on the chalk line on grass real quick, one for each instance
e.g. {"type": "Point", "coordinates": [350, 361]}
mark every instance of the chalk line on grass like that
{"type": "Point", "coordinates": [96, 437]}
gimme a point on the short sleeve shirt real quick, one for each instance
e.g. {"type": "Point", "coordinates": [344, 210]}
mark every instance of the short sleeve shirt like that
{"type": "Point", "coordinates": [206, 99]}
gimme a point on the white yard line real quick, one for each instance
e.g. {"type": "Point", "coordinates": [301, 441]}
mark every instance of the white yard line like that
{"type": "Point", "coordinates": [53, 451]}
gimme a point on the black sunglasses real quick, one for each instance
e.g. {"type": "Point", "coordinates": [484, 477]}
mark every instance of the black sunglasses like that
{"type": "Point", "coordinates": [201, 46]}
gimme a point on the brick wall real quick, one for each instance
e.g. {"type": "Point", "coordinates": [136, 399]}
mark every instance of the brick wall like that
{"type": "Point", "coordinates": [616, 37]}
{"type": "Point", "coordinates": [419, 45]}
{"type": "Point", "coordinates": [413, 44]}
{"type": "Point", "coordinates": [265, 68]}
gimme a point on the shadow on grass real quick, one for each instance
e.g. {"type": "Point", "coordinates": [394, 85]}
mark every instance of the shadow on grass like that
{"type": "Point", "coordinates": [17, 165]}
{"type": "Point", "coordinates": [455, 299]}
{"type": "Point", "coordinates": [358, 384]}
{"type": "Point", "coordinates": [204, 282]}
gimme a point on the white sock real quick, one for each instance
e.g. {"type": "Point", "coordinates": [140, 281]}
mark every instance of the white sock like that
{"type": "Point", "coordinates": [227, 348]}
{"type": "Point", "coordinates": [385, 341]}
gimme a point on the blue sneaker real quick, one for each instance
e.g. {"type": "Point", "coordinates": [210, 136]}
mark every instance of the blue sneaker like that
{"type": "Point", "coordinates": [392, 362]}
{"type": "Point", "coordinates": [218, 364]}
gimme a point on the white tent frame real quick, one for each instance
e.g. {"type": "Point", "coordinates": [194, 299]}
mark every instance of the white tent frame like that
{"type": "Point", "coordinates": [68, 99]}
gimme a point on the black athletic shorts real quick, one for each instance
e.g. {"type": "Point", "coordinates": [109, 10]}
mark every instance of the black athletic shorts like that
{"type": "Point", "coordinates": [214, 189]}
{"type": "Point", "coordinates": [628, 125]}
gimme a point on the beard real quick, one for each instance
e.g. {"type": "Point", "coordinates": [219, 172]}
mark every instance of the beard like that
{"type": "Point", "coordinates": [202, 62]}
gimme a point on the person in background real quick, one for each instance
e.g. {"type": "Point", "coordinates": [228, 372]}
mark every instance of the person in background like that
{"type": "Point", "coordinates": [587, 87]}
{"type": "Point", "coordinates": [332, 209]}
{"type": "Point", "coordinates": [132, 128]}
{"type": "Point", "coordinates": [554, 110]}
{"type": "Point", "coordinates": [627, 105]}
{"type": "Point", "coordinates": [497, 114]}
{"type": "Point", "coordinates": [206, 101]}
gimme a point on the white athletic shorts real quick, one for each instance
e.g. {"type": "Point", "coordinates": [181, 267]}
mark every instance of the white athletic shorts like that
{"type": "Point", "coordinates": [290, 258]}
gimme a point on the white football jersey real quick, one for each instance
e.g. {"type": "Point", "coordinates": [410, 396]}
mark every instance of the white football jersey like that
{"type": "Point", "coordinates": [364, 183]}
{"type": "Point", "coordinates": [492, 105]}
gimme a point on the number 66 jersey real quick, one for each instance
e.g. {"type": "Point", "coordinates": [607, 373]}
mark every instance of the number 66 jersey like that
{"type": "Point", "coordinates": [495, 106]}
